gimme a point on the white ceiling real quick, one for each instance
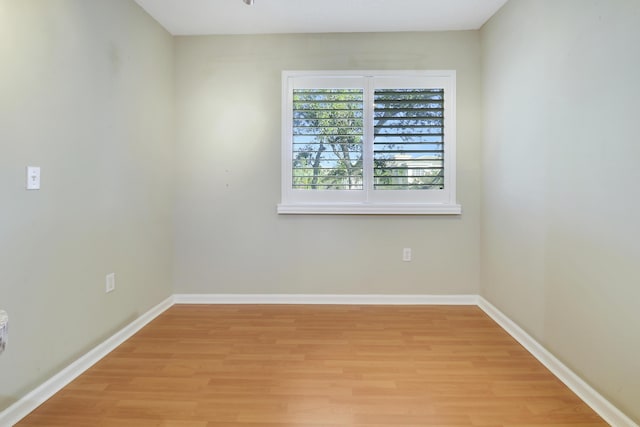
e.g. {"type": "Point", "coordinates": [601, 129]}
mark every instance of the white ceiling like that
{"type": "Point", "coordinates": [198, 17]}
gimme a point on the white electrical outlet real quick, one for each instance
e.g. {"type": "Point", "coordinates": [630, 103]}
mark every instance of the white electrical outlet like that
{"type": "Point", "coordinates": [110, 283]}
{"type": "Point", "coordinates": [406, 254]}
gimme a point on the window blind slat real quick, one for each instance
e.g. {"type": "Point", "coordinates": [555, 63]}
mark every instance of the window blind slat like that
{"type": "Point", "coordinates": [408, 139]}
{"type": "Point", "coordinates": [327, 139]}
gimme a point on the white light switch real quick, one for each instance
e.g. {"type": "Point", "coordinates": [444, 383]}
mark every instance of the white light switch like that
{"type": "Point", "coordinates": [4, 329]}
{"type": "Point", "coordinates": [110, 283]}
{"type": "Point", "coordinates": [33, 178]}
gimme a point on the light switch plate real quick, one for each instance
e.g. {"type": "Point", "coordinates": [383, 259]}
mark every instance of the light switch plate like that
{"type": "Point", "coordinates": [110, 283]}
{"type": "Point", "coordinates": [4, 329]}
{"type": "Point", "coordinates": [33, 178]}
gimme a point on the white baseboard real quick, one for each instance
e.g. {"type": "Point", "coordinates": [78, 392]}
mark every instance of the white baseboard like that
{"type": "Point", "coordinates": [326, 299]}
{"type": "Point", "coordinates": [584, 391]}
{"type": "Point", "coordinates": [591, 397]}
{"type": "Point", "coordinates": [38, 396]}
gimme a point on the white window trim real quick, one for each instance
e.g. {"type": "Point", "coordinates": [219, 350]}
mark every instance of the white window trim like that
{"type": "Point", "coordinates": [368, 201]}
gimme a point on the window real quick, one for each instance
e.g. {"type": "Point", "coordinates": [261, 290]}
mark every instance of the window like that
{"type": "Point", "coordinates": [368, 142]}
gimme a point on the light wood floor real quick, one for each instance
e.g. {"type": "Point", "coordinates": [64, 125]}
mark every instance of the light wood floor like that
{"type": "Point", "coordinates": [317, 366]}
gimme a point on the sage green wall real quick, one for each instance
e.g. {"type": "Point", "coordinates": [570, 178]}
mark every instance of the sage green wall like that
{"type": "Point", "coordinates": [561, 240]}
{"type": "Point", "coordinates": [86, 94]}
{"type": "Point", "coordinates": [229, 238]}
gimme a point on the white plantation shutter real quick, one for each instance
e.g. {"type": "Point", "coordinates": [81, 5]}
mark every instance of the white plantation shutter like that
{"type": "Point", "coordinates": [408, 146]}
{"type": "Point", "coordinates": [368, 142]}
{"type": "Point", "coordinates": [327, 139]}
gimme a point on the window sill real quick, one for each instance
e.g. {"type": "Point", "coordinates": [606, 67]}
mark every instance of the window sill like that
{"type": "Point", "coordinates": [369, 209]}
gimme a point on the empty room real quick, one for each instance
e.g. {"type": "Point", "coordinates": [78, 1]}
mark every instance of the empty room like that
{"type": "Point", "coordinates": [319, 213]}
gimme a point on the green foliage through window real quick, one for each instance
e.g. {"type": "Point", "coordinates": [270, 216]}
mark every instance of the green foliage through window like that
{"type": "Point", "coordinates": [327, 139]}
{"type": "Point", "coordinates": [408, 145]}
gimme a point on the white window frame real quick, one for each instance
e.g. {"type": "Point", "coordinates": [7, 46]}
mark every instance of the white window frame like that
{"type": "Point", "coordinates": [368, 200]}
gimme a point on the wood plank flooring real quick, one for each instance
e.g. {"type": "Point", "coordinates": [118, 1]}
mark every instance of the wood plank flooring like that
{"type": "Point", "coordinates": [329, 366]}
